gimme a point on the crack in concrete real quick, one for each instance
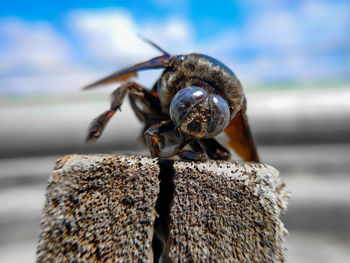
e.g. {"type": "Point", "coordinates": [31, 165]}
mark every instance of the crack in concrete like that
{"type": "Point", "coordinates": [160, 244]}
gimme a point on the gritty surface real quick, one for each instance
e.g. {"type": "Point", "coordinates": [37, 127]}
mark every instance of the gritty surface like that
{"type": "Point", "coordinates": [99, 208]}
{"type": "Point", "coordinates": [227, 212]}
{"type": "Point", "coordinates": [320, 177]}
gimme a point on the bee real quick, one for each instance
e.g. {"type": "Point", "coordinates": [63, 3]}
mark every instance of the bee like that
{"type": "Point", "coordinates": [196, 98]}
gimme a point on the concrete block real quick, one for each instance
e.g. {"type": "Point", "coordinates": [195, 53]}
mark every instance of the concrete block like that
{"type": "Point", "coordinates": [110, 208]}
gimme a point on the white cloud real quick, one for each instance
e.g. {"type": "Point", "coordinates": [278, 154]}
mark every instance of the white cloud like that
{"type": "Point", "coordinates": [29, 84]}
{"type": "Point", "coordinates": [293, 42]}
{"type": "Point", "coordinates": [302, 23]}
{"type": "Point", "coordinates": [174, 34]}
{"type": "Point", "coordinates": [274, 43]}
{"type": "Point", "coordinates": [42, 61]}
{"type": "Point", "coordinates": [109, 34]}
{"type": "Point", "coordinates": [31, 45]}
{"type": "Point", "coordinates": [112, 35]}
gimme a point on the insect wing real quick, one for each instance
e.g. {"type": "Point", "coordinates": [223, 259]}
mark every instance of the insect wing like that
{"type": "Point", "coordinates": [240, 137]}
{"type": "Point", "coordinates": [124, 74]}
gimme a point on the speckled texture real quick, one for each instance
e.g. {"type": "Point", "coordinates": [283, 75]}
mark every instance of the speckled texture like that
{"type": "Point", "coordinates": [227, 212]}
{"type": "Point", "coordinates": [99, 208]}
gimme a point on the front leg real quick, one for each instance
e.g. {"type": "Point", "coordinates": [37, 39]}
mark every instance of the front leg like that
{"type": "Point", "coordinates": [197, 156]}
{"type": "Point", "coordinates": [97, 125]}
{"type": "Point", "coordinates": [212, 148]}
{"type": "Point", "coordinates": [165, 140]}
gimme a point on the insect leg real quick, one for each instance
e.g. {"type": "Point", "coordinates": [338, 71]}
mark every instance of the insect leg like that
{"type": "Point", "coordinates": [163, 139]}
{"type": "Point", "coordinates": [212, 148]}
{"type": "Point", "coordinates": [98, 124]}
{"type": "Point", "coordinates": [197, 155]}
{"type": "Point", "coordinates": [148, 109]}
{"type": "Point", "coordinates": [147, 106]}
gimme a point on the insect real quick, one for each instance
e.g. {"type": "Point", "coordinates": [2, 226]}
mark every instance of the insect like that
{"type": "Point", "coordinates": [196, 98]}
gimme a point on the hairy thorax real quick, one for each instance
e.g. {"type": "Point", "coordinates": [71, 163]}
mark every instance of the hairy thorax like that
{"type": "Point", "coordinates": [202, 71]}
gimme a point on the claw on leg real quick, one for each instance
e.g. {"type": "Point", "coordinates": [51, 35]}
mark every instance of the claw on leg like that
{"type": "Point", "coordinates": [97, 125]}
{"type": "Point", "coordinates": [212, 148]}
{"type": "Point", "coordinates": [193, 156]}
{"type": "Point", "coordinates": [153, 143]}
{"type": "Point", "coordinates": [163, 139]}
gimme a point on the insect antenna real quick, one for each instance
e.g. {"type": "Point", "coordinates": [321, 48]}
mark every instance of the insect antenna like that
{"type": "Point", "coordinates": [153, 44]}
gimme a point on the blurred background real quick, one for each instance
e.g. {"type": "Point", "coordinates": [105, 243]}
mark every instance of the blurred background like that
{"type": "Point", "coordinates": [292, 57]}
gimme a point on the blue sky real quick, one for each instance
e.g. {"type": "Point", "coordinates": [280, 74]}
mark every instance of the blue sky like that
{"type": "Point", "coordinates": [49, 46]}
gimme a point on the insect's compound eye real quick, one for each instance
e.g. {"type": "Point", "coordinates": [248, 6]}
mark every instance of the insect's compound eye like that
{"type": "Point", "coordinates": [199, 113]}
{"type": "Point", "coordinates": [219, 115]}
{"type": "Point", "coordinates": [183, 102]}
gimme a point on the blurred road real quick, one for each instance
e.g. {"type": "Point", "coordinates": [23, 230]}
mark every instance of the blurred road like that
{"type": "Point", "coordinates": [305, 136]}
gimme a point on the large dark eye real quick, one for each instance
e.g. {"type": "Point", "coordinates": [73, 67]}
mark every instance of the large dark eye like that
{"type": "Point", "coordinates": [219, 116]}
{"type": "Point", "coordinates": [183, 102]}
{"type": "Point", "coordinates": [198, 113]}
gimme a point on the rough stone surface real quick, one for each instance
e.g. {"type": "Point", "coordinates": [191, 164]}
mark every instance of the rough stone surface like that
{"type": "Point", "coordinates": [227, 212]}
{"type": "Point", "coordinates": [99, 208]}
